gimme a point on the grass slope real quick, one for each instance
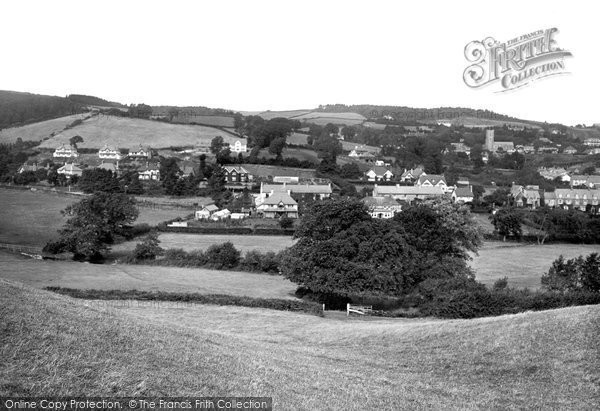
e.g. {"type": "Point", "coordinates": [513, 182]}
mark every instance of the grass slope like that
{"type": "Point", "coordinates": [83, 276]}
{"type": "Point", "coordinates": [52, 344]}
{"type": "Point", "coordinates": [33, 218]}
{"type": "Point", "coordinates": [131, 132]}
{"type": "Point", "coordinates": [38, 131]}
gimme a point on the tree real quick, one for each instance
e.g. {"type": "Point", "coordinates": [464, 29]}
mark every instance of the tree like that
{"type": "Point", "coordinates": [75, 139]}
{"type": "Point", "coordinates": [286, 222]}
{"type": "Point", "coordinates": [94, 222]}
{"type": "Point", "coordinates": [498, 198]}
{"type": "Point", "coordinates": [328, 147]}
{"type": "Point", "coordinates": [277, 145]}
{"type": "Point", "coordinates": [216, 145]}
{"type": "Point", "coordinates": [349, 132]}
{"type": "Point", "coordinates": [350, 171]}
{"type": "Point", "coordinates": [563, 275]}
{"type": "Point", "coordinates": [169, 173]}
{"type": "Point", "coordinates": [173, 112]}
{"type": "Point", "coordinates": [148, 249]}
{"type": "Point", "coordinates": [98, 179]}
{"type": "Point", "coordinates": [507, 222]}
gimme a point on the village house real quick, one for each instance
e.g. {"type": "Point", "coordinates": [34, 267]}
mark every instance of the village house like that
{"type": "Point", "coordinates": [149, 173]}
{"type": "Point", "coordinates": [65, 152]}
{"type": "Point", "coordinates": [221, 215]}
{"type": "Point", "coordinates": [109, 166]}
{"type": "Point", "coordinates": [592, 142]}
{"type": "Point", "coordinates": [433, 180]}
{"type": "Point", "coordinates": [407, 193]}
{"type": "Point", "coordinates": [382, 207]}
{"type": "Point", "coordinates": [551, 173]}
{"type": "Point", "coordinates": [570, 150]}
{"type": "Point", "coordinates": [140, 154]}
{"type": "Point", "coordinates": [276, 205]}
{"type": "Point", "coordinates": [299, 191]}
{"type": "Point", "coordinates": [592, 151]}
{"type": "Point", "coordinates": [30, 166]}
{"type": "Point", "coordinates": [463, 195]}
{"type": "Point", "coordinates": [461, 147]}
{"type": "Point", "coordinates": [412, 174]}
{"type": "Point", "coordinates": [237, 175]}
{"type": "Point", "coordinates": [206, 212]}
{"type": "Point", "coordinates": [109, 153]}
{"type": "Point", "coordinates": [70, 170]}
{"type": "Point", "coordinates": [379, 172]}
{"type": "Point", "coordinates": [576, 198]}
{"type": "Point", "coordinates": [238, 147]}
{"type": "Point", "coordinates": [578, 180]}
{"type": "Point", "coordinates": [528, 196]}
{"type": "Point", "coordinates": [547, 150]}
{"type": "Point", "coordinates": [593, 181]}
{"type": "Point", "coordinates": [527, 149]}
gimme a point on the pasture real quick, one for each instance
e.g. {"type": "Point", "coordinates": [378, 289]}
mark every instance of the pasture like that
{"type": "Point", "coordinates": [523, 264]}
{"type": "Point", "coordinates": [131, 132]}
{"type": "Point", "coordinates": [37, 131]}
{"type": "Point", "coordinates": [189, 242]}
{"type": "Point", "coordinates": [541, 360]}
{"type": "Point", "coordinates": [33, 218]}
{"type": "Point", "coordinates": [69, 274]}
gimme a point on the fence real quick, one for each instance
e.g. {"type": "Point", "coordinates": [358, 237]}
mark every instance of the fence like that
{"type": "Point", "coordinates": [35, 252]}
{"type": "Point", "coordinates": [358, 309]}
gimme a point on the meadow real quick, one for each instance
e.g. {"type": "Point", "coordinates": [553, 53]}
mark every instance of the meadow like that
{"type": "Point", "coordinates": [189, 242]}
{"type": "Point", "coordinates": [56, 345]}
{"type": "Point", "coordinates": [69, 274]}
{"type": "Point", "coordinates": [129, 133]}
{"type": "Point", "coordinates": [38, 131]}
{"type": "Point", "coordinates": [33, 218]}
{"type": "Point", "coordinates": [523, 264]}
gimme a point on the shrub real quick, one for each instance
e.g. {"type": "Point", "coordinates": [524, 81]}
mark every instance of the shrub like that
{"type": "Point", "coordinates": [222, 256]}
{"type": "Point", "coordinates": [576, 274]}
{"type": "Point", "coordinates": [149, 249]}
{"type": "Point", "coordinates": [286, 222]}
{"type": "Point", "coordinates": [500, 284]}
{"type": "Point", "coordinates": [256, 261]}
{"type": "Point", "coordinates": [140, 229]}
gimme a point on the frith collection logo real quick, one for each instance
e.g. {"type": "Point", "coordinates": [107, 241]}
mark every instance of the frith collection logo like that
{"type": "Point", "coordinates": [515, 63]}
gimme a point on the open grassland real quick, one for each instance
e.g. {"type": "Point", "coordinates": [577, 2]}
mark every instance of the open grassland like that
{"type": "Point", "coordinates": [523, 264]}
{"type": "Point", "coordinates": [130, 133]}
{"type": "Point", "coordinates": [37, 131]}
{"type": "Point", "coordinates": [55, 345]}
{"type": "Point", "coordinates": [189, 242]}
{"type": "Point", "coordinates": [46, 273]}
{"type": "Point", "coordinates": [215, 121]}
{"type": "Point", "coordinates": [321, 118]}
{"type": "Point", "coordinates": [33, 218]}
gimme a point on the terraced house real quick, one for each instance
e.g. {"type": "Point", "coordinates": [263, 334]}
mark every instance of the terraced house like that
{"type": "Point", "coordinates": [574, 198]}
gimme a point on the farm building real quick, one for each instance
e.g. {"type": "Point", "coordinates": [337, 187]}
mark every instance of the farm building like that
{"type": "Point", "coordinates": [206, 212]}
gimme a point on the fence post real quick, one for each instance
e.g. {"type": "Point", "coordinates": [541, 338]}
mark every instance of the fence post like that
{"type": "Point", "coordinates": [347, 309]}
{"type": "Point", "coordinates": [323, 307]}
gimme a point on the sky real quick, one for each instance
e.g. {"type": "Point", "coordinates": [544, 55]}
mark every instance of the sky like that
{"type": "Point", "coordinates": [282, 55]}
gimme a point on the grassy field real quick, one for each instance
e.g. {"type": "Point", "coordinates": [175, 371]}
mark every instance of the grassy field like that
{"type": "Point", "coordinates": [33, 218]}
{"type": "Point", "coordinates": [130, 133]}
{"type": "Point", "coordinates": [69, 274]}
{"type": "Point", "coordinates": [37, 131]}
{"type": "Point", "coordinates": [55, 345]}
{"type": "Point", "coordinates": [268, 115]}
{"type": "Point", "coordinates": [244, 243]}
{"type": "Point", "coordinates": [319, 118]}
{"type": "Point", "coordinates": [523, 264]}
{"type": "Point", "coordinates": [216, 121]}
{"type": "Point", "coordinates": [265, 170]}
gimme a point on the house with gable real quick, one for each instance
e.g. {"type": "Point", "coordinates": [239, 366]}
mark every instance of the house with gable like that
{"type": "Point", "coordinates": [206, 212]}
{"type": "Point", "coordinates": [433, 180]}
{"type": "Point", "coordinates": [528, 196]}
{"type": "Point", "coordinates": [412, 174]}
{"type": "Point", "coordinates": [575, 198]}
{"type": "Point", "coordinates": [382, 206]}
{"type": "Point", "coordinates": [276, 205]}
{"type": "Point", "coordinates": [70, 170]}
{"type": "Point", "coordinates": [463, 195]}
{"type": "Point", "coordinates": [379, 172]}
{"type": "Point", "coordinates": [237, 175]}
{"type": "Point", "coordinates": [109, 153]}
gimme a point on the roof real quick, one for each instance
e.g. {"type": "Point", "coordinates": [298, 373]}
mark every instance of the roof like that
{"type": "Point", "coordinates": [277, 198]}
{"type": "Point", "coordinates": [432, 178]}
{"type": "Point", "coordinates": [237, 169]}
{"type": "Point", "coordinates": [380, 170]}
{"type": "Point", "coordinates": [70, 167]}
{"type": "Point", "coordinates": [296, 188]}
{"type": "Point", "coordinates": [415, 172]}
{"type": "Point", "coordinates": [463, 192]}
{"type": "Point", "coordinates": [407, 190]}
{"type": "Point", "coordinates": [380, 201]}
{"type": "Point", "coordinates": [577, 192]}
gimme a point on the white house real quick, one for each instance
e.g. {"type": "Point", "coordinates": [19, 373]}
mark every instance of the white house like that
{"type": "Point", "coordinates": [140, 153]}
{"type": "Point", "coordinates": [109, 153]}
{"type": "Point", "coordinates": [433, 180]}
{"type": "Point", "coordinates": [238, 147]}
{"type": "Point", "coordinates": [412, 174]}
{"type": "Point", "coordinates": [379, 173]}
{"type": "Point", "coordinates": [206, 212]}
{"type": "Point", "coordinates": [463, 195]}
{"type": "Point", "coordinates": [220, 215]}
{"type": "Point", "coordinates": [70, 170]}
{"type": "Point", "coordinates": [149, 173]}
{"type": "Point", "coordinates": [382, 207]}
{"type": "Point", "coordinates": [65, 152]}
{"type": "Point", "coordinates": [277, 205]}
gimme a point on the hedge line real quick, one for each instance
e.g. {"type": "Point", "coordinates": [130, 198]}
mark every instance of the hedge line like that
{"type": "Point", "coordinates": [196, 298]}
{"type": "Point", "coordinates": [225, 230]}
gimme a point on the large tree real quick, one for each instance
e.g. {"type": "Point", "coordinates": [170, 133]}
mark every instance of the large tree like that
{"type": "Point", "coordinates": [93, 223]}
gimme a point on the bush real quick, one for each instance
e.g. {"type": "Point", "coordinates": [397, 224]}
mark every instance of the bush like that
{"type": "Point", "coordinates": [576, 274]}
{"type": "Point", "coordinates": [222, 256]}
{"type": "Point", "coordinates": [149, 249]}
{"type": "Point", "coordinates": [286, 222]}
{"type": "Point", "coordinates": [256, 261]}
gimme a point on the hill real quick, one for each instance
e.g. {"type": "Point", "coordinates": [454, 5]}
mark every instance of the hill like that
{"type": "Point", "coordinates": [125, 132]}
{"type": "Point", "coordinates": [55, 345]}
{"type": "Point", "coordinates": [18, 108]}
{"type": "Point", "coordinates": [93, 101]}
{"type": "Point", "coordinates": [40, 130]}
